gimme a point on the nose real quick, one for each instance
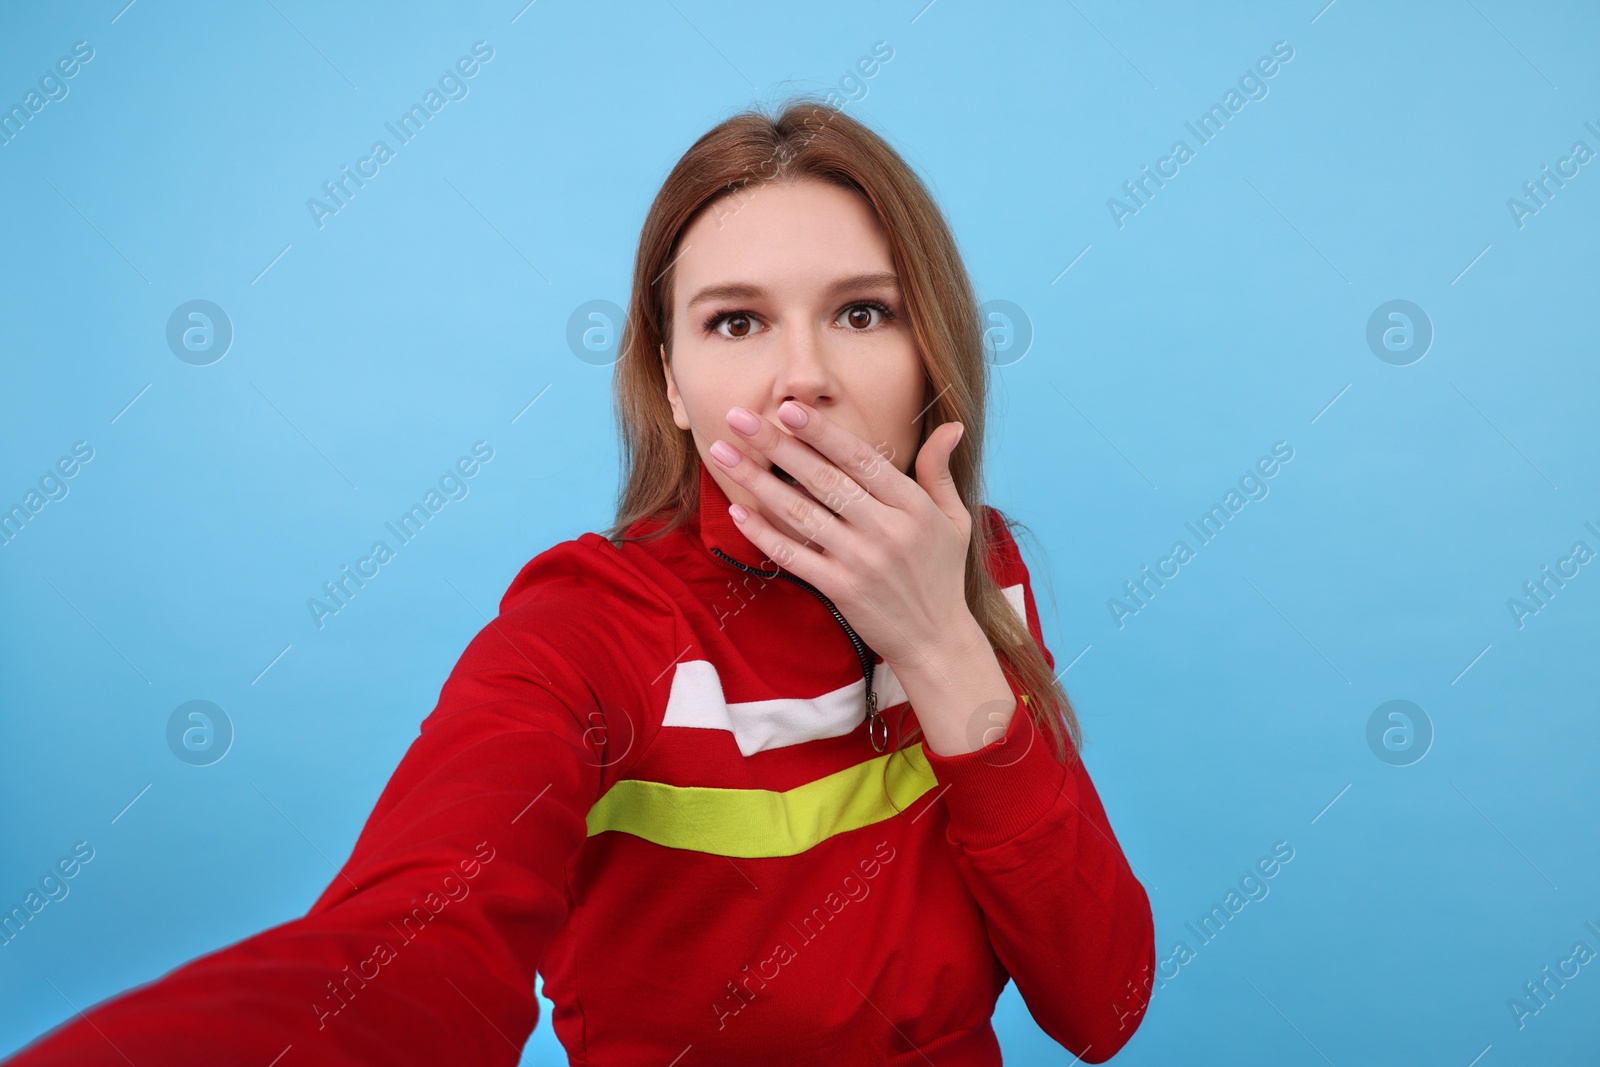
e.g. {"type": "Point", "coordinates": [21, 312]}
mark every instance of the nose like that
{"type": "Point", "coordinates": [804, 369]}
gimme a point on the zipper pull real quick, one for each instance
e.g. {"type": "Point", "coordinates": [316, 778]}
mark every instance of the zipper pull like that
{"type": "Point", "coordinates": [877, 726]}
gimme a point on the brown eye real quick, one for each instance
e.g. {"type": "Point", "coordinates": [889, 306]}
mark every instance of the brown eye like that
{"type": "Point", "coordinates": [741, 325]}
{"type": "Point", "coordinates": [866, 316]}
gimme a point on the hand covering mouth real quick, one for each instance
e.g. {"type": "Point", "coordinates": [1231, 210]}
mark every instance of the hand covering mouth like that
{"type": "Point", "coordinates": [786, 477]}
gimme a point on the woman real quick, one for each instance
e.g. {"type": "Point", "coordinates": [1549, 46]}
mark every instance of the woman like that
{"type": "Point", "coordinates": [778, 770]}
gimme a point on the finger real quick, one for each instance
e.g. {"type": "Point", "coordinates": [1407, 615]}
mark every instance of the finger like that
{"type": "Point", "coordinates": [799, 559]}
{"type": "Point", "coordinates": [796, 507]}
{"type": "Point", "coordinates": [933, 470]}
{"type": "Point", "coordinates": [856, 461]}
{"type": "Point", "coordinates": [813, 476]}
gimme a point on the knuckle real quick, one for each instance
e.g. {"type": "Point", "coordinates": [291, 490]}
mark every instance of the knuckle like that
{"type": "Point", "coordinates": [839, 499]}
{"type": "Point", "coordinates": [798, 510]}
{"type": "Point", "coordinates": [864, 459]}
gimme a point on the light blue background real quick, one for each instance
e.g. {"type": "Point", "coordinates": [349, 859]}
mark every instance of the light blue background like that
{"type": "Point", "coordinates": [1228, 314]}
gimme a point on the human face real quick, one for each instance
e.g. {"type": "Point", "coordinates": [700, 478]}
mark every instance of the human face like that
{"type": "Point", "coordinates": [773, 300]}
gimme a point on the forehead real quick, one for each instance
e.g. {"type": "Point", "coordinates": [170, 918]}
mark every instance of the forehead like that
{"type": "Point", "coordinates": [793, 237]}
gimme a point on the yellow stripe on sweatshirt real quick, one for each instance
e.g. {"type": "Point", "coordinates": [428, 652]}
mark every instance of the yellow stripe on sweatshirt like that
{"type": "Point", "coordinates": [757, 823]}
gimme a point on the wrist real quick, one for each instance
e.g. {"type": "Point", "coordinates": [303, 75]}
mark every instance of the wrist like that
{"type": "Point", "coordinates": [955, 645]}
{"type": "Point", "coordinates": [955, 688]}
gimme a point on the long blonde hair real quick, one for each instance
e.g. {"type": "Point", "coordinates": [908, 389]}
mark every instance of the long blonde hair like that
{"type": "Point", "coordinates": [808, 139]}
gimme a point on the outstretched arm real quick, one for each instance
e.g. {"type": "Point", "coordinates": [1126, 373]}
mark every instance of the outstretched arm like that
{"type": "Point", "coordinates": [423, 948]}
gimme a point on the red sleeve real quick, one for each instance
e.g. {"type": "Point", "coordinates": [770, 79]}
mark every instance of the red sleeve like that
{"type": "Point", "coordinates": [423, 948]}
{"type": "Point", "coordinates": [1065, 914]}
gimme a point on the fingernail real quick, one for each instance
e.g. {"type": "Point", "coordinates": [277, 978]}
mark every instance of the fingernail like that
{"type": "Point", "coordinates": [726, 454]}
{"type": "Point", "coordinates": [792, 414]}
{"type": "Point", "coordinates": [743, 421]}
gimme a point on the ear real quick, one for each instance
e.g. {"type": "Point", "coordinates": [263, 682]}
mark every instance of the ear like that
{"type": "Point", "coordinates": [680, 417]}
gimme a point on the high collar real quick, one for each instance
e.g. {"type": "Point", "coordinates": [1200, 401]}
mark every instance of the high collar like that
{"type": "Point", "coordinates": [715, 528]}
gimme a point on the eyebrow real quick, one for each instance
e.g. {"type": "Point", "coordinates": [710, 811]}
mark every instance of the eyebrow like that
{"type": "Point", "coordinates": [882, 279]}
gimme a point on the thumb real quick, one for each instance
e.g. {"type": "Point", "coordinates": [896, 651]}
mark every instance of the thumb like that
{"type": "Point", "coordinates": [933, 470]}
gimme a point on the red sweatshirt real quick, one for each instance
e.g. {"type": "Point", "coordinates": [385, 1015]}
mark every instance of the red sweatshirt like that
{"type": "Point", "coordinates": [650, 779]}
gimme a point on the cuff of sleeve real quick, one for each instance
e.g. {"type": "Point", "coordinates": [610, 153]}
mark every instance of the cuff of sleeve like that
{"type": "Point", "coordinates": [1000, 790]}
